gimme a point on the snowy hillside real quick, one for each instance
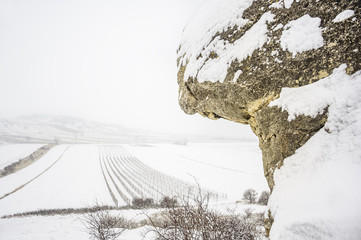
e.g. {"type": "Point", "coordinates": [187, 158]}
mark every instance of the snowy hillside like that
{"type": "Point", "coordinates": [47, 128]}
{"type": "Point", "coordinates": [14, 152]}
{"type": "Point", "coordinates": [64, 129]}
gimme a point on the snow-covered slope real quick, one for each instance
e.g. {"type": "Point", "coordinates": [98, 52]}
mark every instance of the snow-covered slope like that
{"type": "Point", "coordinates": [64, 129]}
{"type": "Point", "coordinates": [317, 188]}
{"type": "Point", "coordinates": [47, 128]}
{"type": "Point", "coordinates": [14, 152]}
{"type": "Point", "coordinates": [60, 227]}
{"type": "Point", "coordinates": [12, 181]}
{"type": "Point", "coordinates": [74, 181]}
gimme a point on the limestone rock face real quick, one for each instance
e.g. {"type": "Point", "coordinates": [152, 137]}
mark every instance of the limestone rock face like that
{"type": "Point", "coordinates": [246, 85]}
{"type": "Point", "coordinates": [236, 56]}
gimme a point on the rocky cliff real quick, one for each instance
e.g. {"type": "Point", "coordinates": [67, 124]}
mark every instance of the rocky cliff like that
{"type": "Point", "coordinates": [238, 59]}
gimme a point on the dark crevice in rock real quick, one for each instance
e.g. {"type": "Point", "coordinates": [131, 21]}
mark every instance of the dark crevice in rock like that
{"type": "Point", "coordinates": [280, 138]}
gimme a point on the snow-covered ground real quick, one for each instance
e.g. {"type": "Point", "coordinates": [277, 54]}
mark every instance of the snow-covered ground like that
{"type": "Point", "coordinates": [53, 227]}
{"type": "Point", "coordinates": [10, 182]}
{"type": "Point", "coordinates": [14, 152]}
{"type": "Point", "coordinates": [81, 174]}
{"type": "Point", "coordinates": [75, 180]}
{"type": "Point", "coordinates": [56, 228]}
{"type": "Point", "coordinates": [60, 227]}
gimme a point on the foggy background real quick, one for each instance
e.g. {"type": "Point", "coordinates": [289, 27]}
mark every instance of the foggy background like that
{"type": "Point", "coordinates": [109, 61]}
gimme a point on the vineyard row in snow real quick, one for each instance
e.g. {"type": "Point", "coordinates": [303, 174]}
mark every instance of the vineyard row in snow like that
{"type": "Point", "coordinates": [127, 178]}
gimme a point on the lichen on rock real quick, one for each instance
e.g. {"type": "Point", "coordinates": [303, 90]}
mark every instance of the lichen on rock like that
{"type": "Point", "coordinates": [237, 56]}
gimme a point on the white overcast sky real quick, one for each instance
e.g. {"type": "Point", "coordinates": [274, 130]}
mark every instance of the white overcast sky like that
{"type": "Point", "coordinates": [107, 60]}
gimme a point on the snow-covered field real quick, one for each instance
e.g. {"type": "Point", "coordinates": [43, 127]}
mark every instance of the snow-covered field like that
{"type": "Point", "coordinates": [14, 152]}
{"type": "Point", "coordinates": [57, 227]}
{"type": "Point", "coordinates": [15, 180]}
{"type": "Point", "coordinates": [70, 226]}
{"type": "Point", "coordinates": [228, 168]}
{"type": "Point", "coordinates": [75, 176]}
{"type": "Point", "coordinates": [74, 181]}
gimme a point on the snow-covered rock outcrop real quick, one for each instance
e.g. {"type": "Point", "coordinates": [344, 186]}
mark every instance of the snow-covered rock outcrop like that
{"type": "Point", "coordinates": [290, 69]}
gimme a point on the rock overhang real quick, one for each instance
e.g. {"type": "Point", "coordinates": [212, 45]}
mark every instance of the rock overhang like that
{"type": "Point", "coordinates": [228, 78]}
{"type": "Point", "coordinates": [242, 91]}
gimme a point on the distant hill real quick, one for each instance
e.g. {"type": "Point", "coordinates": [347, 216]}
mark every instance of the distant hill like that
{"type": "Point", "coordinates": [64, 129]}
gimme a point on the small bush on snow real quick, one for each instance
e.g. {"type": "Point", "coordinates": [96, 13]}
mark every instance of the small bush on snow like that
{"type": "Point", "coordinates": [192, 219]}
{"type": "Point", "coordinates": [143, 203]}
{"type": "Point", "coordinates": [101, 225]}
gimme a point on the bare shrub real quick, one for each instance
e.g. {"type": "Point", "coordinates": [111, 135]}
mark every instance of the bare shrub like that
{"type": "Point", "coordinates": [101, 225]}
{"type": "Point", "coordinates": [263, 198]}
{"type": "Point", "coordinates": [65, 211]}
{"type": "Point", "coordinates": [248, 212]}
{"type": "Point", "coordinates": [250, 195]}
{"type": "Point", "coordinates": [194, 220]}
{"type": "Point", "coordinates": [167, 202]}
{"type": "Point", "coordinates": [142, 203]}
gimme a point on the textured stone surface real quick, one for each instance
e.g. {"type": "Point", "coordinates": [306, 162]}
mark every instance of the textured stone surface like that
{"type": "Point", "coordinates": [271, 68]}
{"type": "Point", "coordinates": [265, 73]}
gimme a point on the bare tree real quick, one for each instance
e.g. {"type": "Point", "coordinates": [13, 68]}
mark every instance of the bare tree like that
{"type": "Point", "coordinates": [101, 225]}
{"type": "Point", "coordinates": [250, 195]}
{"type": "Point", "coordinates": [263, 198]}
